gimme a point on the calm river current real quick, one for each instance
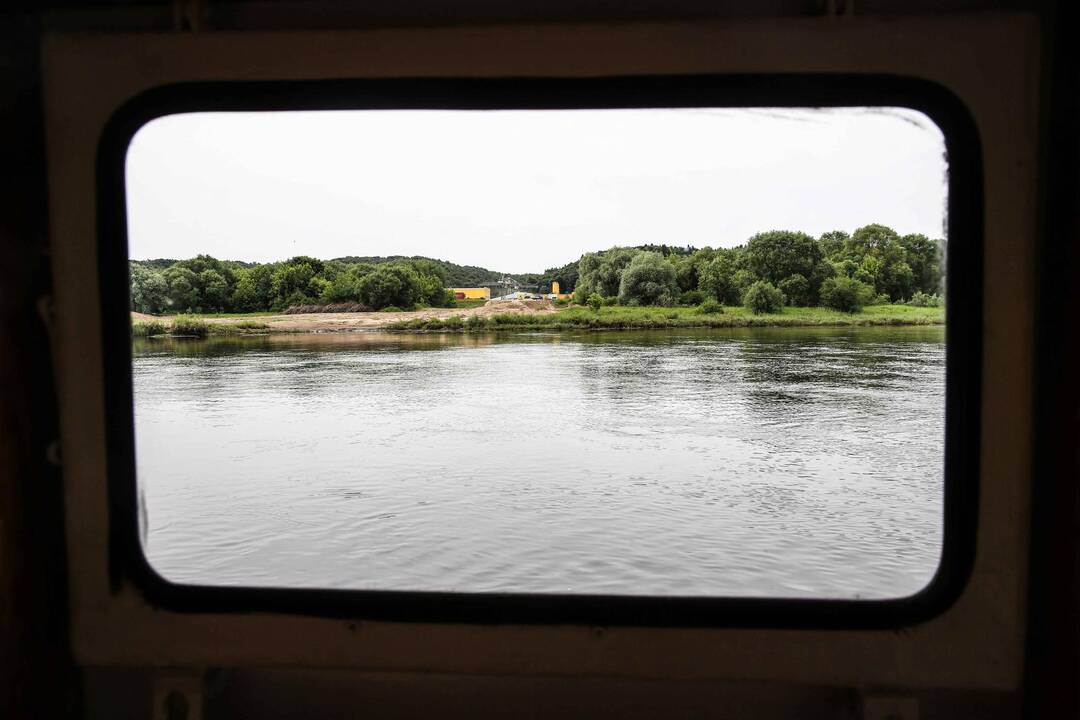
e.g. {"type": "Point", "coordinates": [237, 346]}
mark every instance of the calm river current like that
{"type": "Point", "coordinates": [771, 462]}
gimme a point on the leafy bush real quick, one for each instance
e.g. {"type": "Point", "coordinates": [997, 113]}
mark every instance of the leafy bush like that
{"type": "Point", "coordinates": [710, 306]}
{"type": "Point", "coordinates": [921, 299]}
{"type": "Point", "coordinates": [392, 284]}
{"type": "Point", "coordinates": [188, 325]}
{"type": "Point", "coordinates": [445, 299]}
{"type": "Point", "coordinates": [763, 297]}
{"type": "Point", "coordinates": [610, 301]}
{"type": "Point", "coordinates": [475, 323]}
{"type": "Point", "coordinates": [391, 308]}
{"type": "Point", "coordinates": [692, 297]}
{"type": "Point", "coordinates": [846, 294]}
{"type": "Point", "coordinates": [149, 329]}
{"type": "Point", "coordinates": [454, 322]}
{"type": "Point", "coordinates": [562, 302]}
{"type": "Point", "coordinates": [293, 299]}
{"type": "Point", "coordinates": [796, 289]}
{"type": "Point", "coordinates": [594, 301]}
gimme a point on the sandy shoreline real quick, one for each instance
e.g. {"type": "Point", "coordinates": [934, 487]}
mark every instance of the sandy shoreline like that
{"type": "Point", "coordinates": [352, 322]}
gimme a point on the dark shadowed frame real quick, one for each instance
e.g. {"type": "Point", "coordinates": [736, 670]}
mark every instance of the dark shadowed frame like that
{"type": "Point", "coordinates": [963, 372]}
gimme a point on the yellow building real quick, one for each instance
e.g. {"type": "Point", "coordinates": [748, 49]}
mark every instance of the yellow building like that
{"type": "Point", "coordinates": [471, 293]}
{"type": "Point", "coordinates": [555, 294]}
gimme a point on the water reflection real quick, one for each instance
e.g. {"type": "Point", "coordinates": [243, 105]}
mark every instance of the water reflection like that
{"type": "Point", "coordinates": [790, 462]}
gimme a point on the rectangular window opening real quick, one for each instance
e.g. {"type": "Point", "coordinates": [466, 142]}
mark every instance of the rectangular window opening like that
{"type": "Point", "coordinates": [545, 356]}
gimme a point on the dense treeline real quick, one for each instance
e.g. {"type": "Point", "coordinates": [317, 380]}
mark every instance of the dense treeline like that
{"type": "Point", "coordinates": [204, 284]}
{"type": "Point", "coordinates": [780, 267]}
{"type": "Point", "coordinates": [452, 274]}
{"type": "Point", "coordinates": [212, 285]}
{"type": "Point", "coordinates": [839, 270]}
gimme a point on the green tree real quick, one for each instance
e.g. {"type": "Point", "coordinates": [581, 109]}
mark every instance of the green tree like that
{"type": "Point", "coordinates": [254, 288]}
{"type": "Point", "coordinates": [149, 291]}
{"type": "Point", "coordinates": [741, 282]}
{"type": "Point", "coordinates": [882, 260]}
{"type": "Point", "coordinates": [587, 267]}
{"type": "Point", "coordinates": [844, 268]}
{"type": "Point", "coordinates": [183, 289]}
{"type": "Point", "coordinates": [924, 256]}
{"type": "Point", "coordinates": [214, 290]}
{"type": "Point", "coordinates": [319, 288]}
{"type": "Point", "coordinates": [688, 268]}
{"type": "Point", "coordinates": [431, 290]}
{"type": "Point", "coordinates": [779, 254]}
{"type": "Point", "coordinates": [389, 285]}
{"type": "Point", "coordinates": [796, 289]}
{"type": "Point", "coordinates": [200, 263]}
{"type": "Point", "coordinates": [602, 272]}
{"type": "Point", "coordinates": [424, 266]}
{"type": "Point", "coordinates": [210, 273]}
{"type": "Point", "coordinates": [649, 279]}
{"type": "Point", "coordinates": [832, 243]}
{"type": "Point", "coordinates": [717, 277]}
{"type": "Point", "coordinates": [291, 284]}
{"type": "Point", "coordinates": [845, 294]}
{"type": "Point", "coordinates": [345, 287]}
{"type": "Point", "coordinates": [763, 297]}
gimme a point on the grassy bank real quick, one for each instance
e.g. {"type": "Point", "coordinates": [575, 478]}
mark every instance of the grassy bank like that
{"type": "Point", "coordinates": [639, 318]}
{"type": "Point", "coordinates": [195, 326]}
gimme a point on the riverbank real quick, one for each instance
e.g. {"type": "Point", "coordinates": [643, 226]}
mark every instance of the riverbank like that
{"type": "Point", "coordinates": [255, 323]}
{"type": "Point", "coordinates": [644, 318]}
{"type": "Point", "coordinates": [529, 315]}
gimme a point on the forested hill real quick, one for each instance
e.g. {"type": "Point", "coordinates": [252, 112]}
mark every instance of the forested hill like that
{"type": "Point", "coordinates": [454, 274]}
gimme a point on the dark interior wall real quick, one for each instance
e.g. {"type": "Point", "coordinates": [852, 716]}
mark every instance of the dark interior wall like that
{"type": "Point", "coordinates": [1053, 654]}
{"type": "Point", "coordinates": [337, 14]}
{"type": "Point", "coordinates": [37, 677]}
{"type": "Point", "coordinates": [270, 694]}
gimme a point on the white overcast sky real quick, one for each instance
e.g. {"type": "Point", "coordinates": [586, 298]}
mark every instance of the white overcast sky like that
{"type": "Point", "coordinates": [519, 191]}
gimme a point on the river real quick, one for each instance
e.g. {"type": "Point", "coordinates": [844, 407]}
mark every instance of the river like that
{"type": "Point", "coordinates": [768, 462]}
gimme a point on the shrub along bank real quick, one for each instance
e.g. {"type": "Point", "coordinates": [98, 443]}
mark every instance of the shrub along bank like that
{"type": "Point", "coordinates": [710, 314]}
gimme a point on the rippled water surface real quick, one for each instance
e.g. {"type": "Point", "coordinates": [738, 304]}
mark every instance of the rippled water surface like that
{"type": "Point", "coordinates": [772, 462]}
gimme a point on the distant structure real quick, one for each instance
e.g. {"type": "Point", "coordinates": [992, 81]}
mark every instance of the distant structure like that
{"type": "Point", "coordinates": [473, 293]}
{"type": "Point", "coordinates": [506, 289]}
{"type": "Point", "coordinates": [520, 295]}
{"type": "Point", "coordinates": [555, 294]}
